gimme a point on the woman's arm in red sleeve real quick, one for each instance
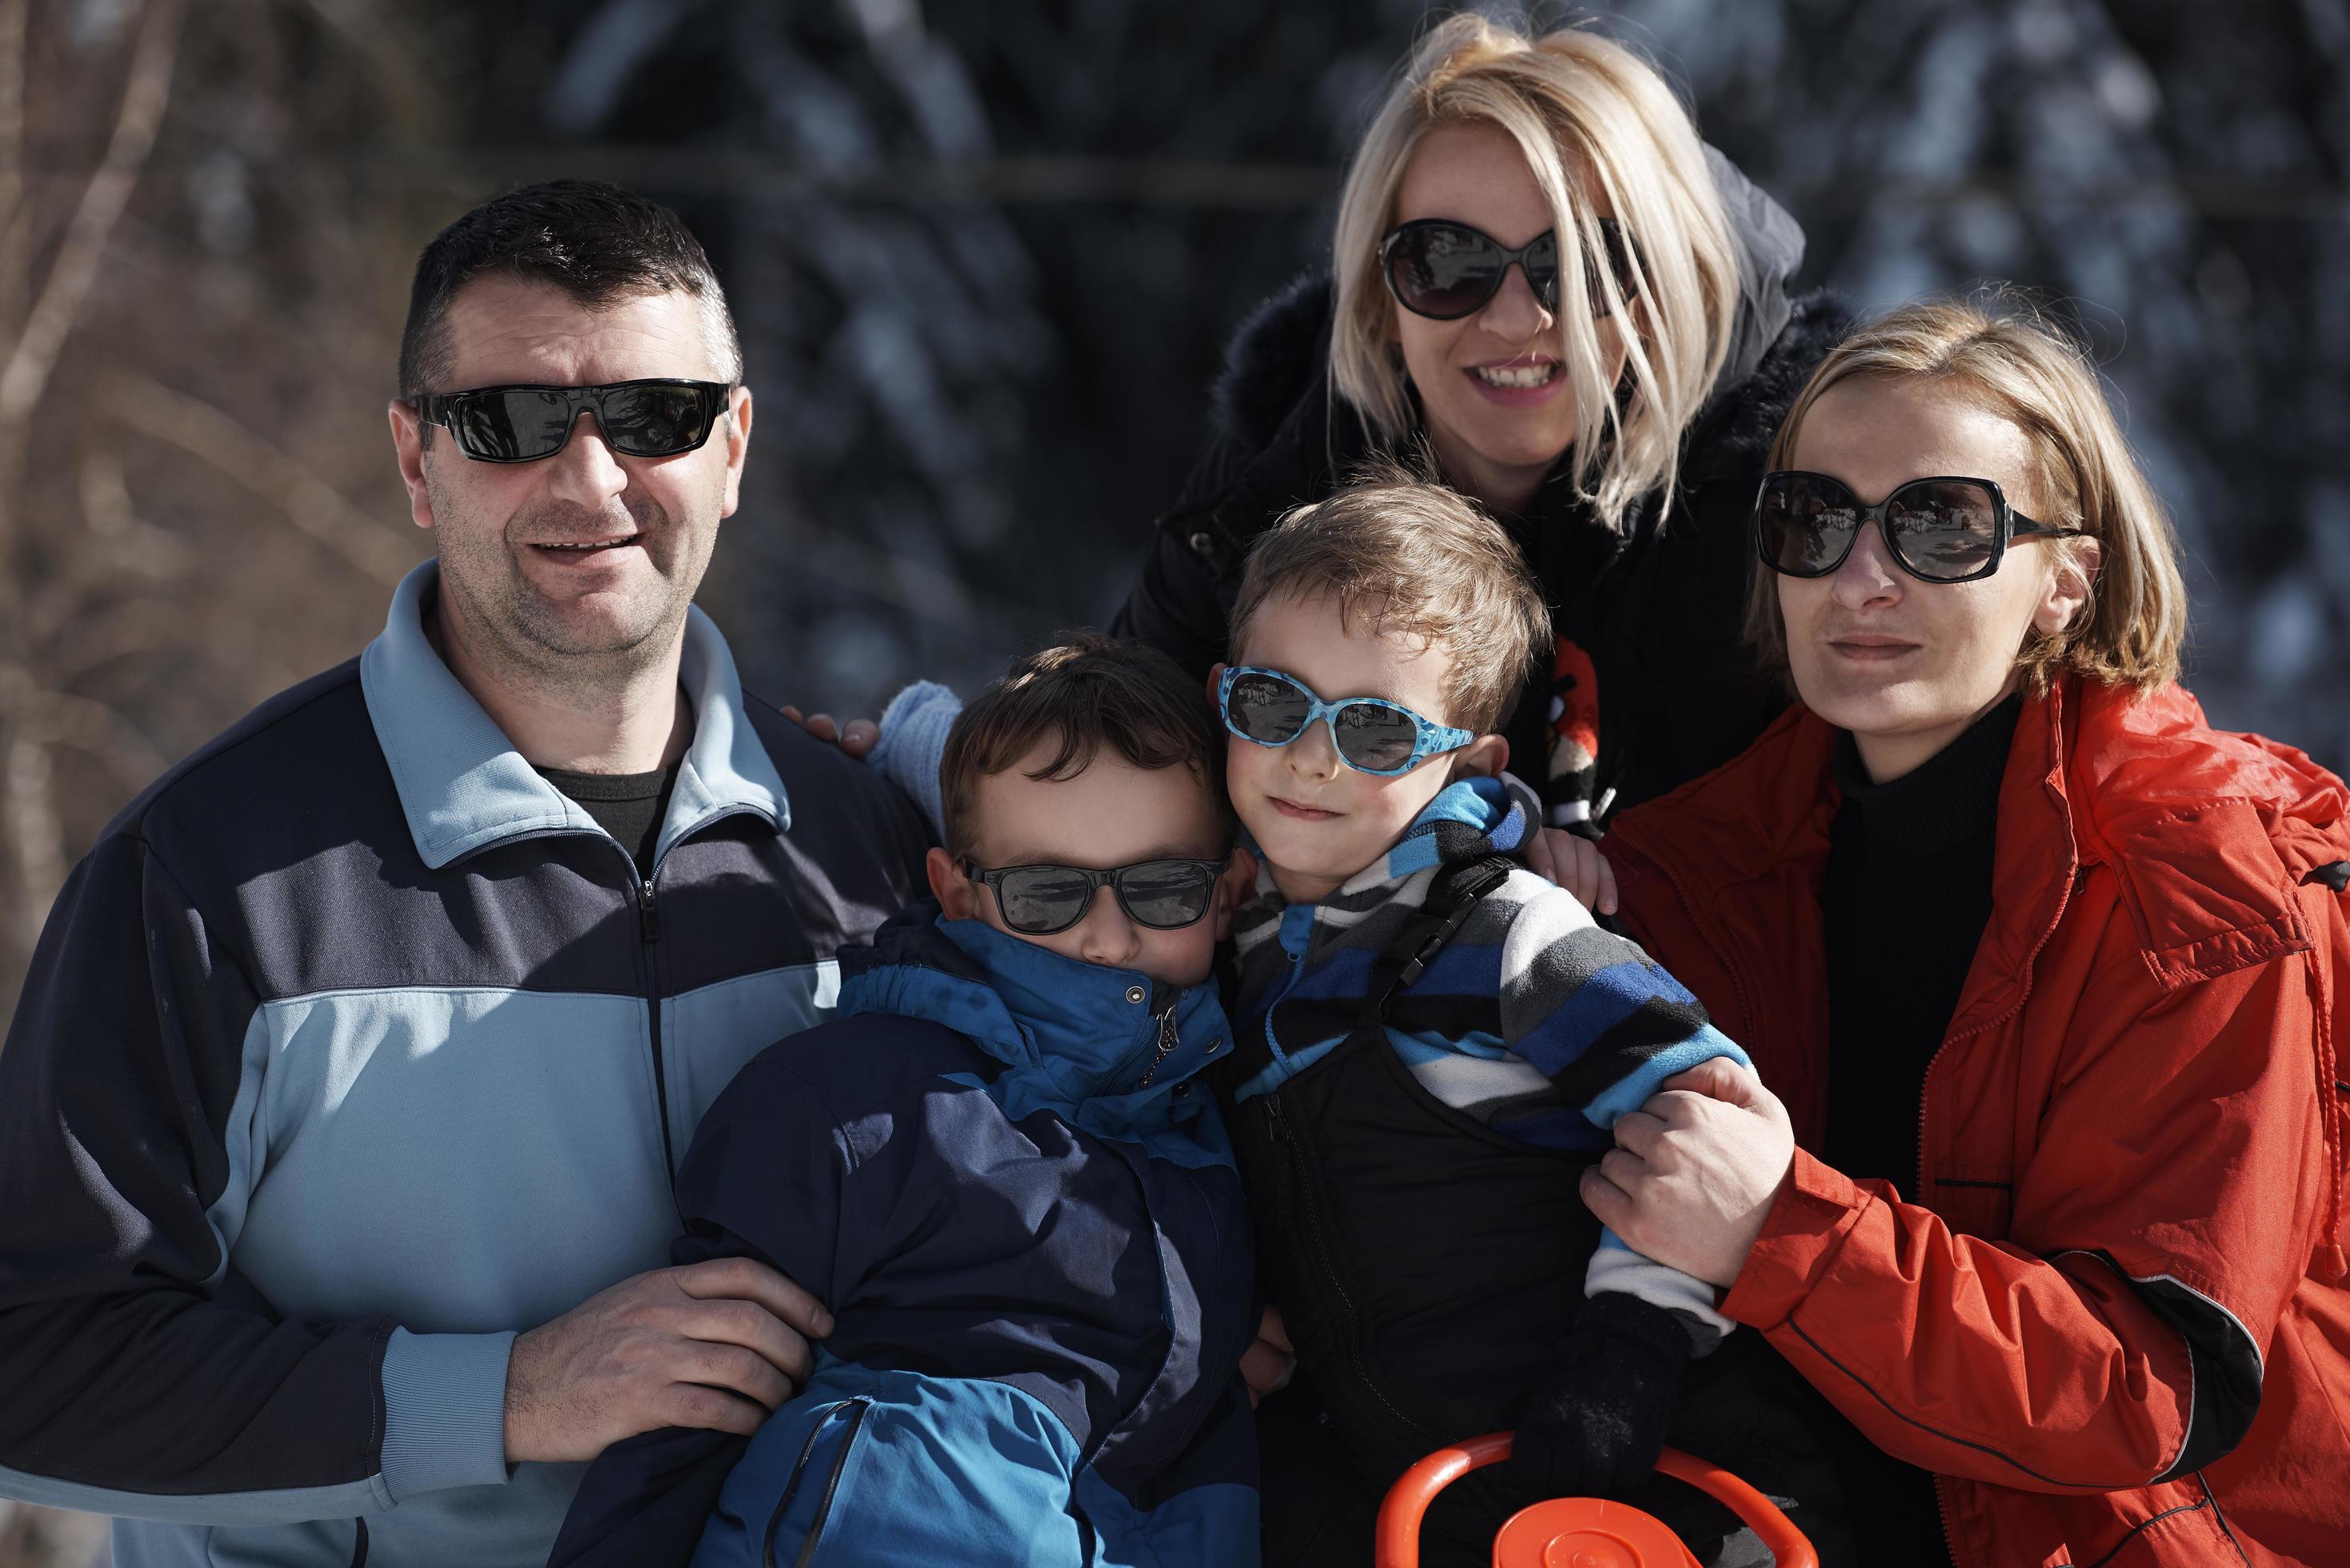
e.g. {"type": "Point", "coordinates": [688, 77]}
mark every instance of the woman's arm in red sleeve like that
{"type": "Point", "coordinates": [2162, 1218]}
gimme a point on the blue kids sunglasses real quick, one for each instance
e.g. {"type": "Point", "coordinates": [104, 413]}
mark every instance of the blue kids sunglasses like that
{"type": "Point", "coordinates": [1372, 735]}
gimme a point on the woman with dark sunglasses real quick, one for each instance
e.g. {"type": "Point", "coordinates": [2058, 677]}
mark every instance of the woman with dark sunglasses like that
{"type": "Point", "coordinates": [2047, 974]}
{"type": "Point", "coordinates": [1543, 275]}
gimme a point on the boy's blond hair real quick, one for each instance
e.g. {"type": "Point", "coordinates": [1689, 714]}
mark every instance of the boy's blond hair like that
{"type": "Point", "coordinates": [1399, 553]}
{"type": "Point", "coordinates": [2006, 357]}
{"type": "Point", "coordinates": [1603, 134]}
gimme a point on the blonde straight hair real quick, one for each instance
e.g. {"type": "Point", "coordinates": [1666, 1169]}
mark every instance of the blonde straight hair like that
{"type": "Point", "coordinates": [1603, 133]}
{"type": "Point", "coordinates": [2005, 357]}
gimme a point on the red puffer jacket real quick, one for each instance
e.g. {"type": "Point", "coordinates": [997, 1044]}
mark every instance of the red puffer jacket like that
{"type": "Point", "coordinates": [2115, 1324]}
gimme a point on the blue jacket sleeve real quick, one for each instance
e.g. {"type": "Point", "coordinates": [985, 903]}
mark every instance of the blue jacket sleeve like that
{"type": "Point", "coordinates": [764, 1180]}
{"type": "Point", "coordinates": [913, 741]}
{"type": "Point", "coordinates": [1594, 1012]}
{"type": "Point", "coordinates": [1602, 1021]}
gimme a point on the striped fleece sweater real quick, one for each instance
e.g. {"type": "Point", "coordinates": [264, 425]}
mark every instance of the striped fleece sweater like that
{"type": "Point", "coordinates": [1532, 1019]}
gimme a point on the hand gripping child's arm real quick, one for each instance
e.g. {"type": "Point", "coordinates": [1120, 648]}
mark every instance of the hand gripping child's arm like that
{"type": "Point", "coordinates": [763, 1180]}
{"type": "Point", "coordinates": [1597, 1017]}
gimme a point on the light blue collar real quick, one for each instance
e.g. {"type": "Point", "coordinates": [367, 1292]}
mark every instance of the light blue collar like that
{"type": "Point", "coordinates": [464, 786]}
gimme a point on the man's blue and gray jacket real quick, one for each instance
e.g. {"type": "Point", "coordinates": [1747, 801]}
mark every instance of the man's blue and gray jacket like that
{"type": "Point", "coordinates": [998, 1170]}
{"type": "Point", "coordinates": [352, 1049]}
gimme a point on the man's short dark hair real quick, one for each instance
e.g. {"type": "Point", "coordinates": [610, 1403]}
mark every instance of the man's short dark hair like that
{"type": "Point", "coordinates": [1085, 692]}
{"type": "Point", "coordinates": [596, 242]}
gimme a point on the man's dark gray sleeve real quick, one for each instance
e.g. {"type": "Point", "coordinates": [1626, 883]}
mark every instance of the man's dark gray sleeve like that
{"type": "Point", "coordinates": [141, 1378]}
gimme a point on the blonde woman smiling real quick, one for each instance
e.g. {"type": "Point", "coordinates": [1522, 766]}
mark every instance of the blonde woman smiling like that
{"type": "Point", "coordinates": [1539, 270]}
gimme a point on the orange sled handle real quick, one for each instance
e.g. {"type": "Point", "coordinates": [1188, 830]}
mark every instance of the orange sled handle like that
{"type": "Point", "coordinates": [1407, 1502]}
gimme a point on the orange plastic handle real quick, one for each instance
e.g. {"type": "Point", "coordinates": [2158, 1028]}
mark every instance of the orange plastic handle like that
{"type": "Point", "coordinates": [1407, 1502]}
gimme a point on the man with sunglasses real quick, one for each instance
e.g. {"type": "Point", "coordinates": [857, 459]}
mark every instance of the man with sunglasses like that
{"type": "Point", "coordinates": [1000, 1168]}
{"type": "Point", "coordinates": [341, 1112]}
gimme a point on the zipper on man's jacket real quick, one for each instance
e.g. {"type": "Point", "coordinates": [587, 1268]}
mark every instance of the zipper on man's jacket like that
{"type": "Point", "coordinates": [649, 910]}
{"type": "Point", "coordinates": [648, 929]}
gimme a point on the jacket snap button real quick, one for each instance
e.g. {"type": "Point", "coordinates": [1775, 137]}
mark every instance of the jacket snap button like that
{"type": "Point", "coordinates": [1215, 1047]}
{"type": "Point", "coordinates": [1134, 993]}
{"type": "Point", "coordinates": [1201, 543]}
{"type": "Point", "coordinates": [1182, 1090]}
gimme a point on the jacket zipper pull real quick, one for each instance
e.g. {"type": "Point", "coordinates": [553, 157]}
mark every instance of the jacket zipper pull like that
{"type": "Point", "coordinates": [1165, 1044]}
{"type": "Point", "coordinates": [649, 907]}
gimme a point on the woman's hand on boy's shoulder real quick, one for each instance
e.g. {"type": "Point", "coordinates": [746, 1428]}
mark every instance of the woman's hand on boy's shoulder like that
{"type": "Point", "coordinates": [1696, 1171]}
{"type": "Point", "coordinates": [1577, 865]}
{"type": "Point", "coordinates": [857, 737]}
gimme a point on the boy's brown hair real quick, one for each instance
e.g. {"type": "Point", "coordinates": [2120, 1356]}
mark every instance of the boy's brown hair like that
{"type": "Point", "coordinates": [1409, 554]}
{"type": "Point", "coordinates": [1085, 692]}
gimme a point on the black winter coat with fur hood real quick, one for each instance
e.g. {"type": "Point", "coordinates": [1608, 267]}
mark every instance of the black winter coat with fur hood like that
{"type": "Point", "coordinates": [1651, 683]}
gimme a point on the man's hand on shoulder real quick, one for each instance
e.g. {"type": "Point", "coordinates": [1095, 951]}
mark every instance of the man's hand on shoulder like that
{"type": "Point", "coordinates": [717, 1345]}
{"type": "Point", "coordinates": [857, 737]}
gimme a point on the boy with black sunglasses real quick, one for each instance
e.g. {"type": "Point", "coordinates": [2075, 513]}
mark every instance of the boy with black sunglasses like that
{"type": "Point", "coordinates": [998, 1170]}
{"type": "Point", "coordinates": [1432, 1044]}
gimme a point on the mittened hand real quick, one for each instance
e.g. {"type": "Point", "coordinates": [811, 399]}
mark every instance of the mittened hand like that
{"type": "Point", "coordinates": [1594, 1424]}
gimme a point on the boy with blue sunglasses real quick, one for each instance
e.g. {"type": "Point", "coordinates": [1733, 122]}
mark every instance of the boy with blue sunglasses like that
{"type": "Point", "coordinates": [1432, 1043]}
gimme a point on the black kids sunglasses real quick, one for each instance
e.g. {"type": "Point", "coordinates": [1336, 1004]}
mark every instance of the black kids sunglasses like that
{"type": "Point", "coordinates": [1945, 529]}
{"type": "Point", "coordinates": [1444, 271]}
{"type": "Point", "coordinates": [1043, 900]}
{"type": "Point", "coordinates": [658, 418]}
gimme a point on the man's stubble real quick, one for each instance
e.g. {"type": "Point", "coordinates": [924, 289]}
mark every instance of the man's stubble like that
{"type": "Point", "coordinates": [529, 641]}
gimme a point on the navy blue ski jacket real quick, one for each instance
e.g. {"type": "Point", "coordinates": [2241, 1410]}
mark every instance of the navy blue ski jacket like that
{"type": "Point", "coordinates": [999, 1169]}
{"type": "Point", "coordinates": [354, 1047]}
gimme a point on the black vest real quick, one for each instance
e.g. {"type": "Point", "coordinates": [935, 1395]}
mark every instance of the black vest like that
{"type": "Point", "coordinates": [1425, 1264]}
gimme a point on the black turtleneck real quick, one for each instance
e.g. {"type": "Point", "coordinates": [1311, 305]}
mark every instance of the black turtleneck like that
{"type": "Point", "coordinates": [1908, 897]}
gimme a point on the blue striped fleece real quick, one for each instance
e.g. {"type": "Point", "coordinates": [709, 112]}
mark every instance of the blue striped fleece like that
{"type": "Point", "coordinates": [1533, 1019]}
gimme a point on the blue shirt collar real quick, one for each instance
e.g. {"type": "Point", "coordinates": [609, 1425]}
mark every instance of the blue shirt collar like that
{"type": "Point", "coordinates": [464, 786]}
{"type": "Point", "coordinates": [1088, 1029]}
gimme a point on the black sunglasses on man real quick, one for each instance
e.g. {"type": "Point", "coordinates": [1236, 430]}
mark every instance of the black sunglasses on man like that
{"type": "Point", "coordinates": [655, 417]}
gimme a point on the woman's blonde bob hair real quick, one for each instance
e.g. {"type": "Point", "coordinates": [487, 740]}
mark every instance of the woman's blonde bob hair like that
{"type": "Point", "coordinates": [1604, 136]}
{"type": "Point", "coordinates": [2006, 357]}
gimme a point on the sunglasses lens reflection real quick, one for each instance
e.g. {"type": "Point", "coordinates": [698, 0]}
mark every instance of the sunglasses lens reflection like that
{"type": "Point", "coordinates": [1807, 525]}
{"type": "Point", "coordinates": [655, 421]}
{"type": "Point", "coordinates": [1042, 899]}
{"type": "Point", "coordinates": [1166, 894]}
{"type": "Point", "coordinates": [1445, 270]}
{"type": "Point", "coordinates": [1376, 739]}
{"type": "Point", "coordinates": [508, 427]}
{"type": "Point", "coordinates": [1267, 710]}
{"type": "Point", "coordinates": [1944, 531]}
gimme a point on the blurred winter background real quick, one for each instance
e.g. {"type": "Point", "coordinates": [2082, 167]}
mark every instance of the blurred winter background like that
{"type": "Point", "coordinates": [984, 254]}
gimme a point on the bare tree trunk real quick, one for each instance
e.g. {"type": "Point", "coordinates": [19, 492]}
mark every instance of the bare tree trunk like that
{"type": "Point", "coordinates": [36, 833]}
{"type": "Point", "coordinates": [15, 218]}
{"type": "Point", "coordinates": [26, 373]}
{"type": "Point", "coordinates": [32, 836]}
